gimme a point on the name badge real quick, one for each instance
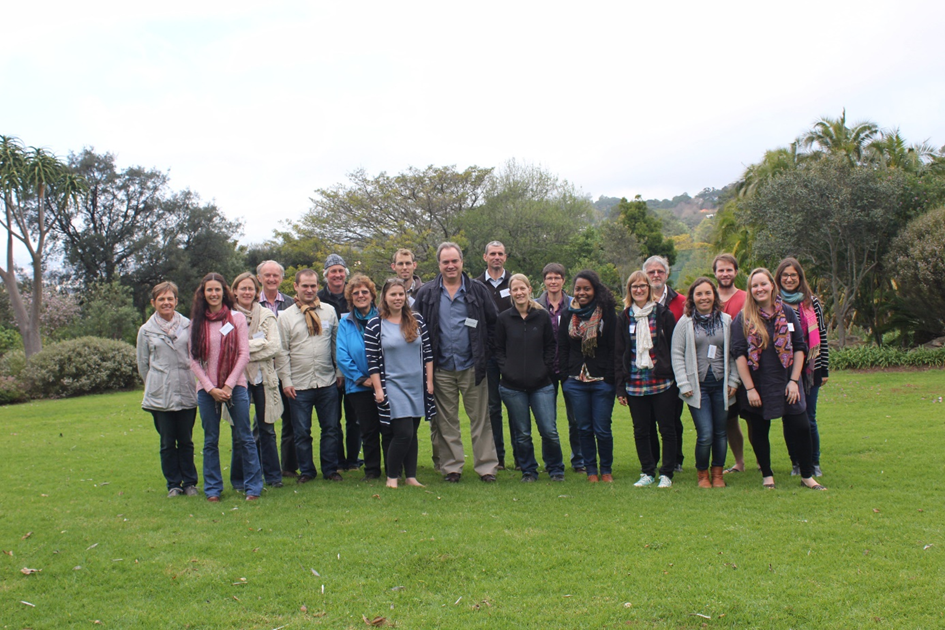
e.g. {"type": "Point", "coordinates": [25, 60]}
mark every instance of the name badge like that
{"type": "Point", "coordinates": [711, 351]}
{"type": "Point", "coordinates": [410, 301]}
{"type": "Point", "coordinates": [259, 335]}
{"type": "Point", "coordinates": [790, 327]}
{"type": "Point", "coordinates": [227, 327]}
{"type": "Point", "coordinates": [504, 293]}
{"type": "Point", "coordinates": [472, 323]}
{"type": "Point", "coordinates": [633, 328]}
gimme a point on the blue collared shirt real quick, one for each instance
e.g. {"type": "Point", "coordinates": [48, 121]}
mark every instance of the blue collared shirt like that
{"type": "Point", "coordinates": [455, 352]}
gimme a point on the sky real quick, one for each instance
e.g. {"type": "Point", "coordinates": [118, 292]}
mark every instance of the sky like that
{"type": "Point", "coordinates": [255, 105]}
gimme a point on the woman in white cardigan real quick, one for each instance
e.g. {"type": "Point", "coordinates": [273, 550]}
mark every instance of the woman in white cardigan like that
{"type": "Point", "coordinates": [706, 375]}
{"type": "Point", "coordinates": [262, 383]}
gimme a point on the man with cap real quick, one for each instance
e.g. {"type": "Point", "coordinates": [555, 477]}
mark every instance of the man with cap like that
{"type": "Point", "coordinates": [335, 275]}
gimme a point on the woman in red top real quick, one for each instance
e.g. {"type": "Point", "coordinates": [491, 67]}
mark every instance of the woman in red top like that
{"type": "Point", "coordinates": [219, 350]}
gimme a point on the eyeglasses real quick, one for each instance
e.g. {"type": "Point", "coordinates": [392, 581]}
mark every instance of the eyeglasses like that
{"type": "Point", "coordinates": [790, 276]}
{"type": "Point", "coordinates": [361, 292]}
{"type": "Point", "coordinates": [639, 287]}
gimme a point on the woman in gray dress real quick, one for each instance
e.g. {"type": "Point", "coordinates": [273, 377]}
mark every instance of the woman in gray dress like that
{"type": "Point", "coordinates": [400, 363]}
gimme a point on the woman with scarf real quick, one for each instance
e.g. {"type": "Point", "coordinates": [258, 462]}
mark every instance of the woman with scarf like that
{"type": "Point", "coordinates": [169, 392]}
{"type": "Point", "coordinates": [219, 351]}
{"type": "Point", "coordinates": [706, 375]}
{"type": "Point", "coordinates": [262, 384]}
{"type": "Point", "coordinates": [400, 362]}
{"type": "Point", "coordinates": [792, 284]}
{"type": "Point", "coordinates": [586, 356]}
{"type": "Point", "coordinates": [769, 348]}
{"type": "Point", "coordinates": [645, 375]}
{"type": "Point", "coordinates": [360, 292]}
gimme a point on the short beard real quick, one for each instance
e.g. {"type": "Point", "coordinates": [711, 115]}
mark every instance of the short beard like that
{"type": "Point", "coordinates": [725, 286]}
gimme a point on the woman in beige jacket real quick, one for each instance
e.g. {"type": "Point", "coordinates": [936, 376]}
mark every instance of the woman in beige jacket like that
{"type": "Point", "coordinates": [261, 380]}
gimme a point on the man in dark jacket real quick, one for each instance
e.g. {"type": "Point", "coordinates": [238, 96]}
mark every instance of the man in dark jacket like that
{"type": "Point", "coordinates": [496, 279]}
{"type": "Point", "coordinates": [460, 317]}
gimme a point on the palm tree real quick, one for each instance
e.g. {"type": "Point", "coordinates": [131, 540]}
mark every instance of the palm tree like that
{"type": "Point", "coordinates": [774, 162]}
{"type": "Point", "coordinates": [831, 136]}
{"type": "Point", "coordinates": [891, 150]}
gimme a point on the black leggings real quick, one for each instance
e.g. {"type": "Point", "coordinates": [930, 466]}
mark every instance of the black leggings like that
{"type": "Point", "coordinates": [648, 413]}
{"type": "Point", "coordinates": [403, 448]}
{"type": "Point", "coordinates": [797, 435]}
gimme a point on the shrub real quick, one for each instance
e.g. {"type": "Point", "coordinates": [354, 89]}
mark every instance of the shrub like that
{"type": "Point", "coordinates": [12, 363]}
{"type": "Point", "coordinates": [917, 261]}
{"type": "Point", "coordinates": [87, 365]}
{"type": "Point", "coordinates": [107, 312]}
{"type": "Point", "coordinates": [866, 357]}
{"type": "Point", "coordinates": [10, 340]}
{"type": "Point", "coordinates": [11, 392]}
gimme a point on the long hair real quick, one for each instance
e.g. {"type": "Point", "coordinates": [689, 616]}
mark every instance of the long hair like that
{"type": "Point", "coordinates": [802, 285]}
{"type": "Point", "coordinates": [243, 276]}
{"type": "Point", "coordinates": [409, 327]}
{"type": "Point", "coordinates": [751, 312]}
{"type": "Point", "coordinates": [637, 276]}
{"type": "Point", "coordinates": [603, 295]}
{"type": "Point", "coordinates": [690, 297]}
{"type": "Point", "coordinates": [521, 277]}
{"type": "Point", "coordinates": [356, 281]}
{"type": "Point", "coordinates": [198, 312]}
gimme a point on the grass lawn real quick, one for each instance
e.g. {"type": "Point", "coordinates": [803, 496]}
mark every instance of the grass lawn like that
{"type": "Point", "coordinates": [83, 502]}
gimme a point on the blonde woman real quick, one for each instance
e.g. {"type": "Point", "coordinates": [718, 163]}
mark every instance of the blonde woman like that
{"type": "Point", "coordinates": [769, 348]}
{"type": "Point", "coordinates": [262, 383]}
{"type": "Point", "coordinates": [525, 352]}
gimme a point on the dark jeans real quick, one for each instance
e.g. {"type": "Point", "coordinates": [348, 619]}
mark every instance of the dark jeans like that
{"type": "Point", "coordinates": [176, 429]}
{"type": "Point", "coordinates": [402, 454]}
{"type": "Point", "coordinates": [574, 435]}
{"type": "Point", "coordinates": [648, 413]}
{"type": "Point", "coordinates": [375, 437]}
{"type": "Point", "coordinates": [210, 413]}
{"type": "Point", "coordinates": [593, 405]}
{"type": "Point", "coordinates": [264, 435]}
{"type": "Point", "coordinates": [711, 420]}
{"type": "Point", "coordinates": [494, 376]}
{"type": "Point", "coordinates": [290, 461]}
{"type": "Point", "coordinates": [325, 402]}
{"type": "Point", "coordinates": [541, 403]}
{"type": "Point", "coordinates": [350, 439]}
{"type": "Point", "coordinates": [797, 434]}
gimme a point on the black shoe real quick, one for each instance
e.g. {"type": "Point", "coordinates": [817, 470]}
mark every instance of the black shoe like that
{"type": "Point", "coordinates": [501, 466]}
{"type": "Point", "coordinates": [370, 477]}
{"type": "Point", "coordinates": [276, 484]}
{"type": "Point", "coordinates": [528, 478]}
{"type": "Point", "coordinates": [488, 478]}
{"type": "Point", "coordinates": [580, 469]}
{"type": "Point", "coordinates": [303, 479]}
{"type": "Point", "coordinates": [678, 468]}
{"type": "Point", "coordinates": [335, 476]}
{"type": "Point", "coordinates": [289, 473]}
{"type": "Point", "coordinates": [557, 477]}
{"type": "Point", "coordinates": [452, 478]}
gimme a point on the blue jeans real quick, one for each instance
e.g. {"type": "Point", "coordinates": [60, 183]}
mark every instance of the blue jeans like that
{"type": "Point", "coordinates": [812, 417]}
{"type": "Point", "coordinates": [265, 436]}
{"type": "Point", "coordinates": [326, 402]}
{"type": "Point", "coordinates": [542, 404]}
{"type": "Point", "coordinates": [242, 440]}
{"type": "Point", "coordinates": [711, 420]}
{"type": "Point", "coordinates": [593, 405]}
{"type": "Point", "coordinates": [574, 435]}
{"type": "Point", "coordinates": [494, 377]}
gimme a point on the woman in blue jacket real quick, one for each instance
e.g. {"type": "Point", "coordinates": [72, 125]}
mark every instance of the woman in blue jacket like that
{"type": "Point", "coordinates": [360, 293]}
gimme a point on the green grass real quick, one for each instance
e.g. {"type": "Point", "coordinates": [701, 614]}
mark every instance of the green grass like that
{"type": "Point", "coordinates": [83, 476]}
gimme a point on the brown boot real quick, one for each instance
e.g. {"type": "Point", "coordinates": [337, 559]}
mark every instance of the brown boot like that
{"type": "Point", "coordinates": [704, 479]}
{"type": "Point", "coordinates": [717, 481]}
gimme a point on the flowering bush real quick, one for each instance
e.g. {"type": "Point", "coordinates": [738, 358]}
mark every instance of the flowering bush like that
{"type": "Point", "coordinates": [11, 392]}
{"type": "Point", "coordinates": [77, 367]}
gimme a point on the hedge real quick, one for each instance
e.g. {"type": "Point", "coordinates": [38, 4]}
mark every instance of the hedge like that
{"type": "Point", "coordinates": [867, 357]}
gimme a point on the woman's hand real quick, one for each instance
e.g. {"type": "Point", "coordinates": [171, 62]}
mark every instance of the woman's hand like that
{"type": "Point", "coordinates": [824, 381]}
{"type": "Point", "coordinates": [792, 392]}
{"type": "Point", "coordinates": [219, 395]}
{"type": "Point", "coordinates": [687, 394]}
{"type": "Point", "coordinates": [753, 398]}
{"type": "Point", "coordinates": [622, 400]}
{"type": "Point", "coordinates": [430, 388]}
{"type": "Point", "coordinates": [378, 396]}
{"type": "Point", "coordinates": [731, 391]}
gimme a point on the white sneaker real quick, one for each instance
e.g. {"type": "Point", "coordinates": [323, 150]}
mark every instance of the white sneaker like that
{"type": "Point", "coordinates": [665, 482]}
{"type": "Point", "coordinates": [645, 480]}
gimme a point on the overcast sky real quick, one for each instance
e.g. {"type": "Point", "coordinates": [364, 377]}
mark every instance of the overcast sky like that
{"type": "Point", "coordinates": [257, 104]}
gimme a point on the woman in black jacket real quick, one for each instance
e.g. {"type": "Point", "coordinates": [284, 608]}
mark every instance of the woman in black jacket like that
{"type": "Point", "coordinates": [586, 355]}
{"type": "Point", "coordinates": [525, 352]}
{"type": "Point", "coordinates": [644, 367]}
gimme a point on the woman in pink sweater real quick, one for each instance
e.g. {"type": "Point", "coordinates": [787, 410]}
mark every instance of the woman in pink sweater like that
{"type": "Point", "coordinates": [219, 351]}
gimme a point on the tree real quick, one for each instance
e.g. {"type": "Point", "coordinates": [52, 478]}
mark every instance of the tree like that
{"type": "Point", "coordinates": [115, 218]}
{"type": "Point", "coordinates": [832, 137]}
{"type": "Point", "coordinates": [834, 215]}
{"type": "Point", "coordinates": [374, 216]}
{"type": "Point", "coordinates": [647, 229]}
{"type": "Point", "coordinates": [530, 211]}
{"type": "Point", "coordinates": [35, 186]}
{"type": "Point", "coordinates": [773, 163]}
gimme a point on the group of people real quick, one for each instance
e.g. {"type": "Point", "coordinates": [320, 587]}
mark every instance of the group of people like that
{"type": "Point", "coordinates": [416, 349]}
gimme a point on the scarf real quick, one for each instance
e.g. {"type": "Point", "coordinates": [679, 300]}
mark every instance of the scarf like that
{"type": "Point", "coordinates": [643, 336]}
{"type": "Point", "coordinates": [253, 320]}
{"type": "Point", "coordinates": [362, 320]}
{"type": "Point", "coordinates": [229, 344]}
{"type": "Point", "coordinates": [585, 323]}
{"type": "Point", "coordinates": [312, 320]}
{"type": "Point", "coordinates": [169, 328]}
{"type": "Point", "coordinates": [708, 323]}
{"type": "Point", "coordinates": [781, 338]}
{"type": "Point", "coordinates": [808, 322]}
